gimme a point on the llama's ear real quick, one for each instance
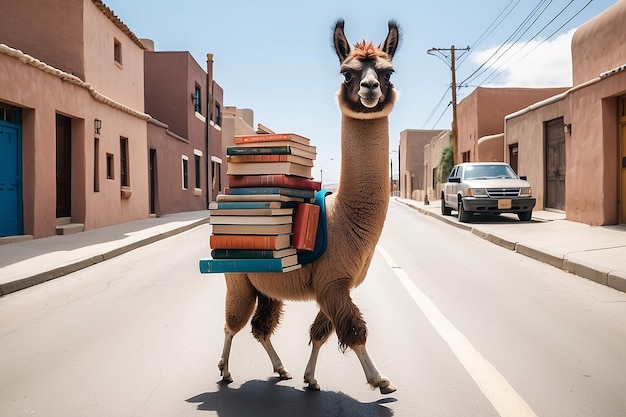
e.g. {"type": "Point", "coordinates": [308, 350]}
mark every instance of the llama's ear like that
{"type": "Point", "coordinates": [393, 39]}
{"type": "Point", "coordinates": [342, 47]}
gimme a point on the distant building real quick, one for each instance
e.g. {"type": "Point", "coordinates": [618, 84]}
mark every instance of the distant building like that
{"type": "Point", "coordinates": [411, 160]}
{"type": "Point", "coordinates": [184, 134]}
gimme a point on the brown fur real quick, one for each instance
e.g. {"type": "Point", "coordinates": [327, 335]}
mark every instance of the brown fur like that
{"type": "Point", "coordinates": [355, 218]}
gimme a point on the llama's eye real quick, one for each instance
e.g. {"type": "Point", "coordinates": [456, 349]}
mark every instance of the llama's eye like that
{"type": "Point", "coordinates": [388, 76]}
{"type": "Point", "coordinates": [348, 77]}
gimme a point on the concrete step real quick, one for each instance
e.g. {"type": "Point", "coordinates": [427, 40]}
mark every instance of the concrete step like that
{"type": "Point", "coordinates": [61, 221]}
{"type": "Point", "coordinates": [69, 229]}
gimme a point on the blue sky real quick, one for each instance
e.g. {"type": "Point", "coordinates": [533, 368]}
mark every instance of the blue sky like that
{"type": "Point", "coordinates": [275, 57]}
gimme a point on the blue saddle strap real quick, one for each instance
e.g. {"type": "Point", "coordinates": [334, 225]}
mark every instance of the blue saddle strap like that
{"type": "Point", "coordinates": [305, 257]}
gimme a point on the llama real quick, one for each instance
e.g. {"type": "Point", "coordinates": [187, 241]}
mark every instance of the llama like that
{"type": "Point", "coordinates": [355, 218]}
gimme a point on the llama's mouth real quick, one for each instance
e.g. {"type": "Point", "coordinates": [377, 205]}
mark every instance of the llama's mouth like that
{"type": "Point", "coordinates": [369, 102]}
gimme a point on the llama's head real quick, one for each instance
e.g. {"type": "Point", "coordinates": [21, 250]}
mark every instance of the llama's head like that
{"type": "Point", "coordinates": [367, 91]}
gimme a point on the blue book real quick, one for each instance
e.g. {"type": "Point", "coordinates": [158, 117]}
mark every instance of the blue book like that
{"type": "Point", "coordinates": [215, 266]}
{"type": "Point", "coordinates": [286, 191]}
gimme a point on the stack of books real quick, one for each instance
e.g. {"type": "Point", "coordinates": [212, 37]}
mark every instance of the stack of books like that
{"type": "Point", "coordinates": [265, 215]}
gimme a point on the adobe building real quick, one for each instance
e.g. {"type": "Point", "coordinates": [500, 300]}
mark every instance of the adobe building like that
{"type": "Point", "coordinates": [411, 161]}
{"type": "Point", "coordinates": [72, 120]}
{"type": "Point", "coordinates": [433, 176]}
{"type": "Point", "coordinates": [184, 134]}
{"type": "Point", "coordinates": [572, 146]}
{"type": "Point", "coordinates": [481, 114]}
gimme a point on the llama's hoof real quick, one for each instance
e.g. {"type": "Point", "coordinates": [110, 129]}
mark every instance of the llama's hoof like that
{"type": "Point", "coordinates": [283, 374]}
{"type": "Point", "coordinates": [224, 373]}
{"type": "Point", "coordinates": [386, 387]}
{"type": "Point", "coordinates": [313, 387]}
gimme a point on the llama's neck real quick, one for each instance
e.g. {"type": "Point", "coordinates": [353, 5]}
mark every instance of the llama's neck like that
{"type": "Point", "coordinates": [363, 192]}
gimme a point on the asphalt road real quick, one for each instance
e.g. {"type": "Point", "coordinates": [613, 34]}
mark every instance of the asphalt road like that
{"type": "Point", "coordinates": [462, 327]}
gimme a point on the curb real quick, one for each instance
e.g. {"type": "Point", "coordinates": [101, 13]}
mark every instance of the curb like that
{"type": "Point", "coordinates": [40, 278]}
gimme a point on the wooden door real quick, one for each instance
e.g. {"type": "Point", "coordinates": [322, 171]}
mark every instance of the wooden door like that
{"type": "Point", "coordinates": [555, 164]}
{"type": "Point", "coordinates": [622, 196]}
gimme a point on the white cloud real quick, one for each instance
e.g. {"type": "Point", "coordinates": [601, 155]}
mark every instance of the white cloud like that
{"type": "Point", "coordinates": [536, 64]}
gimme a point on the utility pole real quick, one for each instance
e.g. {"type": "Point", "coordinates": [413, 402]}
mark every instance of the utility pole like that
{"type": "Point", "coordinates": [451, 62]}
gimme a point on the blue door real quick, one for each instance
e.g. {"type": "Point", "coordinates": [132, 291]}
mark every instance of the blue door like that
{"type": "Point", "coordinates": [10, 173]}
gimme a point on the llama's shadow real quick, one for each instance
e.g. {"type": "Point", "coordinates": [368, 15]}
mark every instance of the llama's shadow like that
{"type": "Point", "coordinates": [267, 399]}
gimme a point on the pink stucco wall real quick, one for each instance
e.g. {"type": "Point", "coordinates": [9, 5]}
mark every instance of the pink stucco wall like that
{"type": "Point", "coordinates": [600, 44]}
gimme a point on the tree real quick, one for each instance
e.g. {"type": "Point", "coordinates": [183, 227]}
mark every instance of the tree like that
{"type": "Point", "coordinates": [445, 164]}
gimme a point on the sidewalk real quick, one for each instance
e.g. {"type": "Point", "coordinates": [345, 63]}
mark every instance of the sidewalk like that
{"type": "Point", "coordinates": [30, 262]}
{"type": "Point", "coordinates": [597, 253]}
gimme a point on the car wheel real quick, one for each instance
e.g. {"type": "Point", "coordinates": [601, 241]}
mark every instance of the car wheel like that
{"type": "Point", "coordinates": [445, 210]}
{"type": "Point", "coordinates": [464, 216]}
{"type": "Point", "coordinates": [525, 216]}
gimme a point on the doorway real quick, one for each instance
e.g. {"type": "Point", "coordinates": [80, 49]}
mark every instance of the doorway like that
{"type": "Point", "coordinates": [152, 176]}
{"type": "Point", "coordinates": [555, 164]}
{"type": "Point", "coordinates": [64, 166]}
{"type": "Point", "coordinates": [11, 200]}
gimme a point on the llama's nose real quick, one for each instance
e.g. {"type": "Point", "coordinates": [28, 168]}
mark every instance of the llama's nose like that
{"type": "Point", "coordinates": [370, 83]}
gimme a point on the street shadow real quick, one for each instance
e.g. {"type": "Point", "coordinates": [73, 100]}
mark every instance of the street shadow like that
{"type": "Point", "coordinates": [267, 399]}
{"type": "Point", "coordinates": [504, 218]}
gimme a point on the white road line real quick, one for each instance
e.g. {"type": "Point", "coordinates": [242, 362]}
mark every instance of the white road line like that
{"type": "Point", "coordinates": [498, 391]}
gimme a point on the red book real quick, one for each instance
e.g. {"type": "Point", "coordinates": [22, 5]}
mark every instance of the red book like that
{"type": "Point", "coordinates": [277, 180]}
{"type": "Point", "coordinates": [305, 221]}
{"type": "Point", "coordinates": [271, 137]}
{"type": "Point", "coordinates": [267, 242]}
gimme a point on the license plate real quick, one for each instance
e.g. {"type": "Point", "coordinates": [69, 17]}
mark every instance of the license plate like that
{"type": "Point", "coordinates": [504, 203]}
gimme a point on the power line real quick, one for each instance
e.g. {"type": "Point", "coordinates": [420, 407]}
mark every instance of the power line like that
{"type": "Point", "coordinates": [497, 72]}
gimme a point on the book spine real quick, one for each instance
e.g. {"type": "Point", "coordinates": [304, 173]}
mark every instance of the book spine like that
{"type": "Point", "coordinates": [270, 137]}
{"type": "Point", "coordinates": [227, 205]}
{"type": "Point", "coordinates": [305, 222]}
{"type": "Point", "coordinates": [264, 158]}
{"type": "Point", "coordinates": [242, 254]}
{"type": "Point", "coordinates": [256, 242]}
{"type": "Point", "coordinates": [237, 150]}
{"type": "Point", "coordinates": [273, 180]}
{"type": "Point", "coordinates": [291, 192]}
{"type": "Point", "coordinates": [210, 265]}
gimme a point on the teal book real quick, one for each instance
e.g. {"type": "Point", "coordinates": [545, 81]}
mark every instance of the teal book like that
{"type": "Point", "coordinates": [210, 265]}
{"type": "Point", "coordinates": [286, 191]}
{"type": "Point", "coordinates": [251, 205]}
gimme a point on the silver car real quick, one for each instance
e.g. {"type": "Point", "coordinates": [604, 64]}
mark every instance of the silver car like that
{"type": "Point", "coordinates": [486, 187]}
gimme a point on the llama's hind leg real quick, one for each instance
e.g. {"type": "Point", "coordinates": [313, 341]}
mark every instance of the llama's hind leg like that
{"type": "Point", "coordinates": [264, 322]}
{"type": "Point", "coordinates": [320, 331]}
{"type": "Point", "coordinates": [351, 330]}
{"type": "Point", "coordinates": [239, 304]}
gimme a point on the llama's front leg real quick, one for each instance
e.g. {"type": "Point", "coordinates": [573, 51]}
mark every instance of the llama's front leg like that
{"type": "Point", "coordinates": [352, 330]}
{"type": "Point", "coordinates": [264, 322]}
{"type": "Point", "coordinates": [320, 331]}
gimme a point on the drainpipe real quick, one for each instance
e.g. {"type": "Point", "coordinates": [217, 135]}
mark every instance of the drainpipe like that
{"type": "Point", "coordinates": [207, 128]}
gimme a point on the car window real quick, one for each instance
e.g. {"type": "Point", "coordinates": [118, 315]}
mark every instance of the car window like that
{"type": "Point", "coordinates": [489, 171]}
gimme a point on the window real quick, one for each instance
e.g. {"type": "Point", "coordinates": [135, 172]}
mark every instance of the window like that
{"type": "Point", "coordinates": [117, 51]}
{"type": "Point", "coordinates": [466, 156]}
{"type": "Point", "coordinates": [110, 167]}
{"type": "Point", "coordinates": [96, 165]}
{"type": "Point", "coordinates": [197, 160]}
{"type": "Point", "coordinates": [197, 100]}
{"type": "Point", "coordinates": [185, 168]}
{"type": "Point", "coordinates": [218, 114]}
{"type": "Point", "coordinates": [124, 177]}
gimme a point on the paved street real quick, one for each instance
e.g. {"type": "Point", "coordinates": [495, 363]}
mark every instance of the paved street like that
{"type": "Point", "coordinates": [462, 327]}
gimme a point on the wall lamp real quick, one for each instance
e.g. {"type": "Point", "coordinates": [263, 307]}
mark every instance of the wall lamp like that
{"type": "Point", "coordinates": [567, 128]}
{"type": "Point", "coordinates": [97, 125]}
